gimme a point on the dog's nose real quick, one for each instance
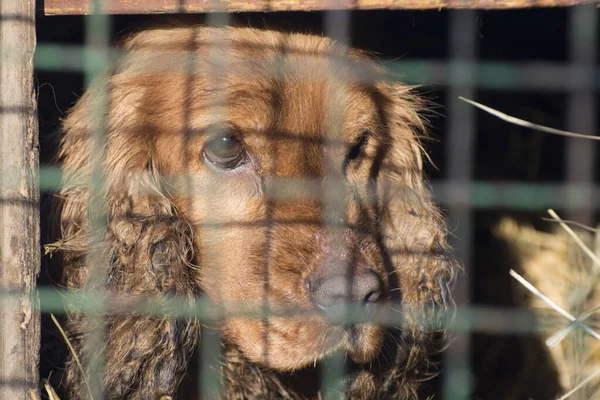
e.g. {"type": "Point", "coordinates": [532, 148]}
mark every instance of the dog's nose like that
{"type": "Point", "coordinates": [334, 290]}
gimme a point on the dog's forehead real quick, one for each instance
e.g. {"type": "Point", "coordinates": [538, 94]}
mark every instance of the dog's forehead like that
{"type": "Point", "coordinates": [297, 98]}
{"type": "Point", "coordinates": [294, 99]}
{"type": "Point", "coordinates": [293, 122]}
{"type": "Point", "coordinates": [309, 85]}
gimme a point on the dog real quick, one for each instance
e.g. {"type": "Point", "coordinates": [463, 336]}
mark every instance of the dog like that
{"type": "Point", "coordinates": [259, 170]}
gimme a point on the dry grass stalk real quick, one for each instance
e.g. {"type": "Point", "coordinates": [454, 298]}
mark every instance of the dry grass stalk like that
{"type": "Point", "coordinates": [558, 264]}
{"type": "Point", "coordinates": [527, 124]}
{"type": "Point", "coordinates": [72, 350]}
{"type": "Point", "coordinates": [50, 392]}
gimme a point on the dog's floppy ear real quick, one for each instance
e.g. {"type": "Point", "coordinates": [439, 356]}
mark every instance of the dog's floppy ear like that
{"type": "Point", "coordinates": [412, 227]}
{"type": "Point", "coordinates": [127, 238]}
{"type": "Point", "coordinates": [414, 230]}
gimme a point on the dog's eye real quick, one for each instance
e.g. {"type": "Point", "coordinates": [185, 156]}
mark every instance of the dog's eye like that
{"type": "Point", "coordinates": [225, 152]}
{"type": "Point", "coordinates": [356, 150]}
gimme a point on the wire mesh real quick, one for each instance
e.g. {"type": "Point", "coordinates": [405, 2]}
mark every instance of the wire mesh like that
{"type": "Point", "coordinates": [462, 74]}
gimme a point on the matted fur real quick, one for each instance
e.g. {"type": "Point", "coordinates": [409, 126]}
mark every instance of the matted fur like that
{"type": "Point", "coordinates": [171, 224]}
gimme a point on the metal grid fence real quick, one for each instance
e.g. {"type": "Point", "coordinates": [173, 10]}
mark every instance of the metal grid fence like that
{"type": "Point", "coordinates": [462, 74]}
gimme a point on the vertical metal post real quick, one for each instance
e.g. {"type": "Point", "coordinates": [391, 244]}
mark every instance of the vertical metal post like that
{"type": "Point", "coordinates": [97, 41]}
{"type": "Point", "coordinates": [337, 27]}
{"type": "Point", "coordinates": [210, 347]}
{"type": "Point", "coordinates": [581, 115]}
{"type": "Point", "coordinates": [580, 153]}
{"type": "Point", "coordinates": [19, 203]}
{"type": "Point", "coordinates": [460, 154]}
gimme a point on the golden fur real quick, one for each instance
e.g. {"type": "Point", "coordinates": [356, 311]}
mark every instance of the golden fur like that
{"type": "Point", "coordinates": [169, 223]}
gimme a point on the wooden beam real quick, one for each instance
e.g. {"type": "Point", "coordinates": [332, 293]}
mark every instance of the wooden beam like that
{"type": "Point", "coordinates": [75, 7]}
{"type": "Point", "coordinates": [19, 203]}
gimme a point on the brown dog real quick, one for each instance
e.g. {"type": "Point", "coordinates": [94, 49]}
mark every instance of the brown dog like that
{"type": "Point", "coordinates": [255, 168]}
